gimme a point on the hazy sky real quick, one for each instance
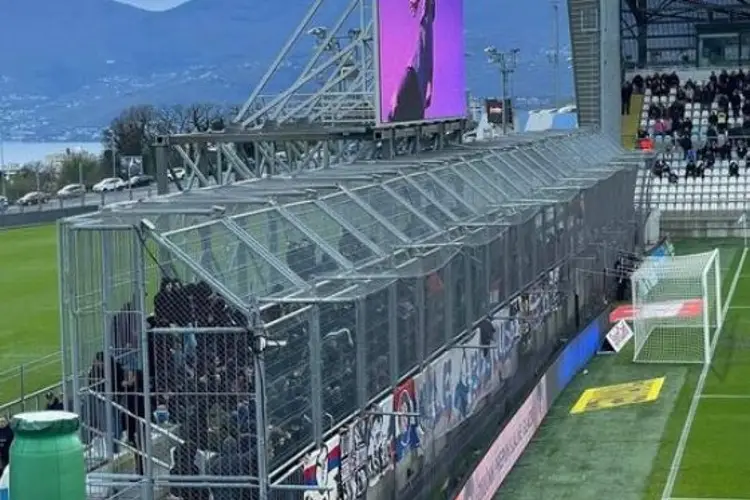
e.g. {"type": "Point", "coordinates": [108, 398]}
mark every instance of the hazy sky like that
{"type": "Point", "coordinates": [154, 4]}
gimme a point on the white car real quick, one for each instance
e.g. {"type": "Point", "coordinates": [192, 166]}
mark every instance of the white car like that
{"type": "Point", "coordinates": [110, 184]}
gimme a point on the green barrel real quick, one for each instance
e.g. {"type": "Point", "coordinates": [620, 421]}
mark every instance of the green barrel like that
{"type": "Point", "coordinates": [46, 457]}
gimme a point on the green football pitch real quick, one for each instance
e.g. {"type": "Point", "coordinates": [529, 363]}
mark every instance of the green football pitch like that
{"type": "Point", "coordinates": [29, 311]}
{"type": "Point", "coordinates": [689, 444]}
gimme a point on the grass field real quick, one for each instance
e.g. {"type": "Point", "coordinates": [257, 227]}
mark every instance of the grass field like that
{"type": "Point", "coordinates": [29, 310]}
{"type": "Point", "coordinates": [681, 446]}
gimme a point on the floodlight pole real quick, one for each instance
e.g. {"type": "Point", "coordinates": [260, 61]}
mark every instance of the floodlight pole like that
{"type": "Point", "coordinates": [507, 61]}
{"type": "Point", "coordinates": [3, 178]}
{"type": "Point", "coordinates": [556, 55]}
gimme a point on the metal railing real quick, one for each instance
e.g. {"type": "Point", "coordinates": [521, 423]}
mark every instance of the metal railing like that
{"type": "Point", "coordinates": [22, 387]}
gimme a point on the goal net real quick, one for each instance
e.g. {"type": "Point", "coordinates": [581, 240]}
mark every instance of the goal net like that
{"type": "Point", "coordinates": [676, 308]}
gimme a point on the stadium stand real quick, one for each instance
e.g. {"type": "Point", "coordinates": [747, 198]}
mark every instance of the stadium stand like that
{"type": "Point", "coordinates": [200, 419]}
{"type": "Point", "coordinates": [697, 122]}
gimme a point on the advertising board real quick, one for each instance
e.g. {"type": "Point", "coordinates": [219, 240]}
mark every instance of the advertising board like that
{"type": "Point", "coordinates": [507, 448]}
{"type": "Point", "coordinates": [421, 68]}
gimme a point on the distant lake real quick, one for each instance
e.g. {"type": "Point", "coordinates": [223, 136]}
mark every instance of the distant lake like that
{"type": "Point", "coordinates": [15, 153]}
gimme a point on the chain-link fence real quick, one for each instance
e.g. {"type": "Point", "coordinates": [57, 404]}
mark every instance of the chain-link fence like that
{"type": "Point", "coordinates": [343, 331]}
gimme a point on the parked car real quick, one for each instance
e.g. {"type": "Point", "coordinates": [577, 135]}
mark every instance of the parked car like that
{"type": "Point", "coordinates": [140, 181]}
{"type": "Point", "coordinates": [33, 198]}
{"type": "Point", "coordinates": [109, 184]}
{"type": "Point", "coordinates": [179, 174]}
{"type": "Point", "coordinates": [71, 191]}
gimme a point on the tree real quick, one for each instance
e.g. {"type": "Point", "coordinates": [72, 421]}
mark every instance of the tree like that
{"type": "Point", "coordinates": [132, 130]}
{"type": "Point", "coordinates": [36, 176]}
{"type": "Point", "coordinates": [135, 129]}
{"type": "Point", "coordinates": [80, 168]}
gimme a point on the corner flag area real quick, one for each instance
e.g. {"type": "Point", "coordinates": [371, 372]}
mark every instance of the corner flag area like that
{"type": "Point", "coordinates": [636, 431]}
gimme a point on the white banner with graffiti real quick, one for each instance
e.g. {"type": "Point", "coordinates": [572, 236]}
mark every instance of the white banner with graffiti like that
{"type": "Point", "coordinates": [444, 394]}
{"type": "Point", "coordinates": [367, 450]}
{"type": "Point", "coordinates": [322, 469]}
{"type": "Point", "coordinates": [449, 389]}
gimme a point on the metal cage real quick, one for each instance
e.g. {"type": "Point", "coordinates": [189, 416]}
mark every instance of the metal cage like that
{"type": "Point", "coordinates": [229, 339]}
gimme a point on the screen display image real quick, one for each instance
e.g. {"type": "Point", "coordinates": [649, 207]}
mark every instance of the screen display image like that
{"type": "Point", "coordinates": [421, 60]}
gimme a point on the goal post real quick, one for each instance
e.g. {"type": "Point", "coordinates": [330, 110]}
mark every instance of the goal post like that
{"type": "Point", "coordinates": [676, 308]}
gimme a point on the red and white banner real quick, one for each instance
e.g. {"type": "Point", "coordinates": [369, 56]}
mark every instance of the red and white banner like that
{"type": "Point", "coordinates": [669, 309]}
{"type": "Point", "coordinates": [619, 335]}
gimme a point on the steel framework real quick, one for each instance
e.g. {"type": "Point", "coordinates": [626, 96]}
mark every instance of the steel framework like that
{"type": "Point", "coordinates": [665, 32]}
{"type": "Point", "coordinates": [326, 116]}
{"type": "Point", "coordinates": [255, 319]}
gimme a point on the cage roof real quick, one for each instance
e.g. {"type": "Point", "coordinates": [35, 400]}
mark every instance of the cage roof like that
{"type": "Point", "coordinates": [345, 231]}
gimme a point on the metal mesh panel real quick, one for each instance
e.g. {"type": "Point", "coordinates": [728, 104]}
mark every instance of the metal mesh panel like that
{"type": "Point", "coordinates": [438, 308]}
{"type": "Point", "coordinates": [509, 171]}
{"type": "Point", "coordinates": [396, 213]}
{"type": "Point", "coordinates": [496, 179]}
{"type": "Point", "coordinates": [408, 324]}
{"type": "Point", "coordinates": [289, 385]}
{"type": "Point", "coordinates": [338, 327]}
{"type": "Point", "coordinates": [445, 195]}
{"type": "Point", "coordinates": [362, 295]}
{"type": "Point", "coordinates": [347, 208]}
{"type": "Point", "coordinates": [498, 270]}
{"type": "Point", "coordinates": [469, 192]}
{"type": "Point", "coordinates": [326, 227]}
{"type": "Point", "coordinates": [231, 260]}
{"type": "Point", "coordinates": [413, 197]}
{"type": "Point", "coordinates": [378, 332]}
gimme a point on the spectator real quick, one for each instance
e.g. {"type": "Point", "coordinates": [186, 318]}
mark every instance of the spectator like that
{"type": "Point", "coordinates": [6, 439]}
{"type": "Point", "coordinates": [734, 169]}
{"type": "Point", "coordinates": [54, 402]}
{"type": "Point", "coordinates": [626, 94]}
{"type": "Point", "coordinates": [690, 169]}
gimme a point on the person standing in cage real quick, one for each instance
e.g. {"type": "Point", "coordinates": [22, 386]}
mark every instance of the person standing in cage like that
{"type": "Point", "coordinates": [413, 96]}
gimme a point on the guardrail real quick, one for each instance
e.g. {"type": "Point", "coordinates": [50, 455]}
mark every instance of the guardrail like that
{"type": "Point", "coordinates": [16, 216]}
{"type": "Point", "coordinates": [34, 217]}
{"type": "Point", "coordinates": [21, 383]}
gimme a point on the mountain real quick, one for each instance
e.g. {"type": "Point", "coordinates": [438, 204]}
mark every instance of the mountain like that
{"type": "Point", "coordinates": [76, 63]}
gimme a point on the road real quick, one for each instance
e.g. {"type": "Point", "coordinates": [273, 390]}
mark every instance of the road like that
{"type": "Point", "coordinates": [90, 199]}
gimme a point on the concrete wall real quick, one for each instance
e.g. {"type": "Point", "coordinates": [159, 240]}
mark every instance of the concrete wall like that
{"type": "Point", "coordinates": [704, 225]}
{"type": "Point", "coordinates": [32, 216]}
{"type": "Point", "coordinates": [610, 69]}
{"type": "Point", "coordinates": [595, 41]}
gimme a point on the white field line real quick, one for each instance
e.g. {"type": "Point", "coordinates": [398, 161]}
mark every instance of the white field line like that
{"type": "Point", "coordinates": [725, 396]}
{"type": "Point", "coordinates": [674, 468]}
{"type": "Point", "coordinates": [740, 307]}
{"type": "Point", "coordinates": [705, 498]}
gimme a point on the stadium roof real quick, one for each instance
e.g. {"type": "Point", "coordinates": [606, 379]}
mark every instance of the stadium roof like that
{"type": "Point", "coordinates": [367, 221]}
{"type": "Point", "coordinates": [664, 32]}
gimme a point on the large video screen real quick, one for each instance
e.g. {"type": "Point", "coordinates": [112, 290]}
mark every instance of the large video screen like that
{"type": "Point", "coordinates": [421, 60]}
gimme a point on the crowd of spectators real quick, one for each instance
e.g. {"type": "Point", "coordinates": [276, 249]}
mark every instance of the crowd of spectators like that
{"type": "Point", "coordinates": [697, 123]}
{"type": "Point", "coordinates": [203, 384]}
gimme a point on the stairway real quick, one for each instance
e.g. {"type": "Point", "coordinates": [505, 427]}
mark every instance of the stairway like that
{"type": "Point", "coordinates": [631, 122]}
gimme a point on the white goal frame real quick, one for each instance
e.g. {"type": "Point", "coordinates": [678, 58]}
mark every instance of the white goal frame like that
{"type": "Point", "coordinates": [709, 327]}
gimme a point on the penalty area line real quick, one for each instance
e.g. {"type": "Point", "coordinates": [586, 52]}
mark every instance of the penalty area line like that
{"type": "Point", "coordinates": [674, 468]}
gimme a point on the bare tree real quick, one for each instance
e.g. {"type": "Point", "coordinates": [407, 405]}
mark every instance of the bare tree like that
{"type": "Point", "coordinates": [134, 129]}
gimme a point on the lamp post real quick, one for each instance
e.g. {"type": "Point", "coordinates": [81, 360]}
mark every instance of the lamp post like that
{"type": "Point", "coordinates": [507, 62]}
{"type": "Point", "coordinates": [3, 178]}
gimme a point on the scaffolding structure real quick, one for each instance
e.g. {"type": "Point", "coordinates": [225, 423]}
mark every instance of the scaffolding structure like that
{"type": "Point", "coordinates": [326, 116]}
{"type": "Point", "coordinates": [215, 337]}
